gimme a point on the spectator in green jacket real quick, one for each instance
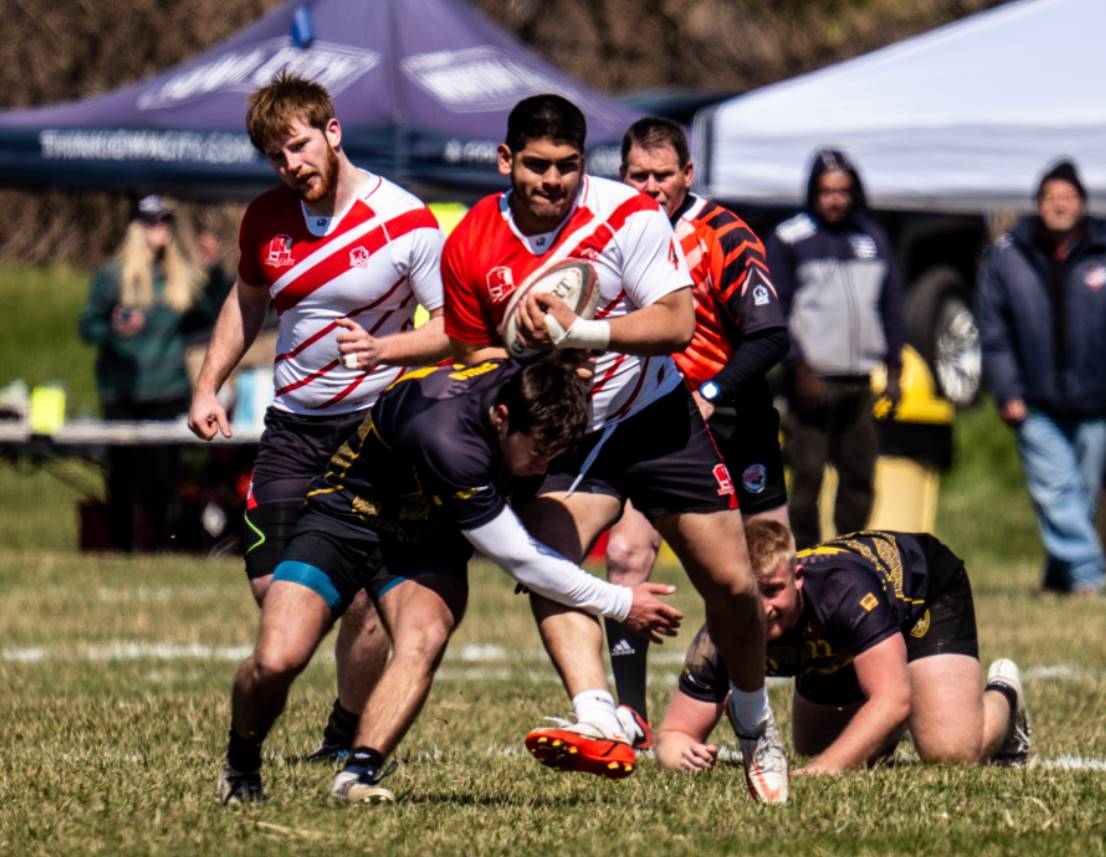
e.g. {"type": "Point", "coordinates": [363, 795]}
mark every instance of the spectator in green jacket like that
{"type": "Point", "coordinates": [141, 307]}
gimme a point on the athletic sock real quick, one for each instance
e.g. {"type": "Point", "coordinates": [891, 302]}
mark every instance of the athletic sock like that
{"type": "Point", "coordinates": [628, 653]}
{"type": "Point", "coordinates": [341, 727]}
{"type": "Point", "coordinates": [243, 754]}
{"type": "Point", "coordinates": [1008, 694]}
{"type": "Point", "coordinates": [749, 709]}
{"type": "Point", "coordinates": [365, 762]}
{"type": "Point", "coordinates": [597, 706]}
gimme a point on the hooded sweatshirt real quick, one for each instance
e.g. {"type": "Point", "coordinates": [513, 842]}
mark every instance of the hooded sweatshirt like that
{"type": "Point", "coordinates": [838, 283]}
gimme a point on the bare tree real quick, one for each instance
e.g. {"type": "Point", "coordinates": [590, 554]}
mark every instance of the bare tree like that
{"type": "Point", "coordinates": [60, 51]}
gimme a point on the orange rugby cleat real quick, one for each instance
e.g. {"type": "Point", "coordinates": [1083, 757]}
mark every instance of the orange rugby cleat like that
{"type": "Point", "coordinates": [583, 746]}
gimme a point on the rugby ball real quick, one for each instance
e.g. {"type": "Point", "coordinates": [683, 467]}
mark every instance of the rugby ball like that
{"type": "Point", "coordinates": [574, 281]}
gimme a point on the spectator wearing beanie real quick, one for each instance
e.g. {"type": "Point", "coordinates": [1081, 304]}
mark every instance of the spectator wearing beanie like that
{"type": "Point", "coordinates": [1041, 313]}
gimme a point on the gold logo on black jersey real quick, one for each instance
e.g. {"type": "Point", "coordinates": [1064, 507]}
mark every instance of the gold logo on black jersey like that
{"type": "Point", "coordinates": [869, 602]}
{"type": "Point", "coordinates": [474, 371]}
{"type": "Point", "coordinates": [364, 507]}
{"type": "Point", "coordinates": [921, 627]}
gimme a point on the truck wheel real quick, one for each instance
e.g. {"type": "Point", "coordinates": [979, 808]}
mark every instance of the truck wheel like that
{"type": "Point", "coordinates": [941, 325]}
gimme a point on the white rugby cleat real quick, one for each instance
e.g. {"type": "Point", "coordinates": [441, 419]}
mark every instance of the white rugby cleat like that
{"type": "Point", "coordinates": [765, 761]}
{"type": "Point", "coordinates": [1014, 750]}
{"type": "Point", "coordinates": [360, 788]}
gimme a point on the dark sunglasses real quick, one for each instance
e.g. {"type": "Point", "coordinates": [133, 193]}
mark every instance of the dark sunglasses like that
{"type": "Point", "coordinates": [155, 219]}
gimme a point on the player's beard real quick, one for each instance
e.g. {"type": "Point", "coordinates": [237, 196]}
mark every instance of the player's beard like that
{"type": "Point", "coordinates": [544, 212]}
{"type": "Point", "coordinates": [326, 176]}
{"type": "Point", "coordinates": [550, 212]}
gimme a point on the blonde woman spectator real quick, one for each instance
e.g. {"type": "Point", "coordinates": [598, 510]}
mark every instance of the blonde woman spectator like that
{"type": "Point", "coordinates": [140, 308]}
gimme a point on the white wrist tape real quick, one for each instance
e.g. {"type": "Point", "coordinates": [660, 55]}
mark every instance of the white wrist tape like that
{"type": "Point", "coordinates": [582, 333]}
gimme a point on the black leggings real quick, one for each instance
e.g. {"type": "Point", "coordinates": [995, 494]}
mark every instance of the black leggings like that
{"type": "Point", "coordinates": [142, 480]}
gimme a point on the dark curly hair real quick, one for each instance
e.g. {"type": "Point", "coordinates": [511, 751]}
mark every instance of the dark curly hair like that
{"type": "Point", "coordinates": [546, 117]}
{"type": "Point", "coordinates": [548, 400]}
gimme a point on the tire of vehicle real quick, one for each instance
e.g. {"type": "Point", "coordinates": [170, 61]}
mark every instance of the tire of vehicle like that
{"type": "Point", "coordinates": [940, 323]}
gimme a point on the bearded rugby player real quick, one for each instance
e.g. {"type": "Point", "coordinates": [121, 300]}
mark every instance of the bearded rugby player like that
{"type": "Point", "coordinates": [344, 256]}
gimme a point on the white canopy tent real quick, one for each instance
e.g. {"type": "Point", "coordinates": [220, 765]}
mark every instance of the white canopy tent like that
{"type": "Point", "coordinates": [962, 118]}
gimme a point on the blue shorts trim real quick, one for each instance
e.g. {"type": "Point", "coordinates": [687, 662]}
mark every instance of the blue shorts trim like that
{"type": "Point", "coordinates": [449, 571]}
{"type": "Point", "coordinates": [314, 578]}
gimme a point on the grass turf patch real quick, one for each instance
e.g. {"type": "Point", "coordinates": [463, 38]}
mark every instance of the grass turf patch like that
{"type": "Point", "coordinates": [46, 304]}
{"type": "Point", "coordinates": [117, 673]}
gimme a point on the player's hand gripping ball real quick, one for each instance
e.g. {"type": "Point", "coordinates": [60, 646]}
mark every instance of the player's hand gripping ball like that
{"type": "Point", "coordinates": [574, 281]}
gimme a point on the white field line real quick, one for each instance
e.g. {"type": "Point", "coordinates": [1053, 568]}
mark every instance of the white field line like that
{"type": "Point", "coordinates": [140, 594]}
{"type": "Point", "coordinates": [728, 753]}
{"type": "Point", "coordinates": [471, 662]}
{"type": "Point", "coordinates": [129, 650]}
{"type": "Point", "coordinates": [1070, 763]}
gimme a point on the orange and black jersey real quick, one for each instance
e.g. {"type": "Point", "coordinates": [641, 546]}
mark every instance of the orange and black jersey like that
{"type": "Point", "coordinates": [734, 295]}
{"type": "Point", "coordinates": [857, 591]}
{"type": "Point", "coordinates": [425, 459]}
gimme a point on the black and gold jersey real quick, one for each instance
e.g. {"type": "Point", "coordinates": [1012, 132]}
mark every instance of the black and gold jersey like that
{"type": "Point", "coordinates": [857, 591]}
{"type": "Point", "coordinates": [425, 458]}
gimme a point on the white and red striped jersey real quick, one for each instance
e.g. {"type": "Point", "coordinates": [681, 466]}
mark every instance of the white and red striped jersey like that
{"type": "Point", "coordinates": [372, 263]}
{"type": "Point", "coordinates": [622, 233]}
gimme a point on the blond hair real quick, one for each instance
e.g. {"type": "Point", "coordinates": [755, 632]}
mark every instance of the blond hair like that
{"type": "Point", "coordinates": [136, 261]}
{"type": "Point", "coordinates": [769, 543]}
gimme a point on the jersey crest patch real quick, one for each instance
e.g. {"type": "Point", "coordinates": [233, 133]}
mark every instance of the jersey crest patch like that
{"type": "Point", "coordinates": [754, 478]}
{"type": "Point", "coordinates": [722, 477]}
{"type": "Point", "coordinates": [501, 282]}
{"type": "Point", "coordinates": [1095, 277]}
{"type": "Point", "coordinates": [359, 257]}
{"type": "Point", "coordinates": [761, 296]}
{"type": "Point", "coordinates": [869, 602]}
{"type": "Point", "coordinates": [279, 253]}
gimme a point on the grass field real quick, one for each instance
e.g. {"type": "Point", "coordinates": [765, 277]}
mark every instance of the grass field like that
{"type": "Point", "coordinates": [116, 674]}
{"type": "Point", "coordinates": [43, 305]}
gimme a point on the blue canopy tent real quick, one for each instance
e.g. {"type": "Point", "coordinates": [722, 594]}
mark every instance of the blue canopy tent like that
{"type": "Point", "coordinates": [422, 88]}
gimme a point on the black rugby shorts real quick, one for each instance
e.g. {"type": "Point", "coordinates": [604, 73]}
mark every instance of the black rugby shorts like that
{"type": "Point", "coordinates": [662, 458]}
{"type": "Point", "coordinates": [336, 560]}
{"type": "Point", "coordinates": [748, 434]}
{"type": "Point", "coordinates": [294, 449]}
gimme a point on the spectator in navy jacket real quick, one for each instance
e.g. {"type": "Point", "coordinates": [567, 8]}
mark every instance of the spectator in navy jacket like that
{"type": "Point", "coordinates": [1042, 320]}
{"type": "Point", "coordinates": [836, 276]}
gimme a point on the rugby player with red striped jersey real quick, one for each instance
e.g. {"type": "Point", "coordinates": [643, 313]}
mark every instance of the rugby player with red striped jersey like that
{"type": "Point", "coordinates": [740, 333]}
{"type": "Point", "coordinates": [344, 257]}
{"type": "Point", "coordinates": [647, 441]}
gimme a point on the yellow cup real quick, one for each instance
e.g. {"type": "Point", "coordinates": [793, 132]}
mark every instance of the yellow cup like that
{"type": "Point", "coordinates": [47, 409]}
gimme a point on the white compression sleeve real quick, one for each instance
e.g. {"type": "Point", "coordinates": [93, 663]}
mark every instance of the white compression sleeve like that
{"type": "Point", "coordinates": [505, 542]}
